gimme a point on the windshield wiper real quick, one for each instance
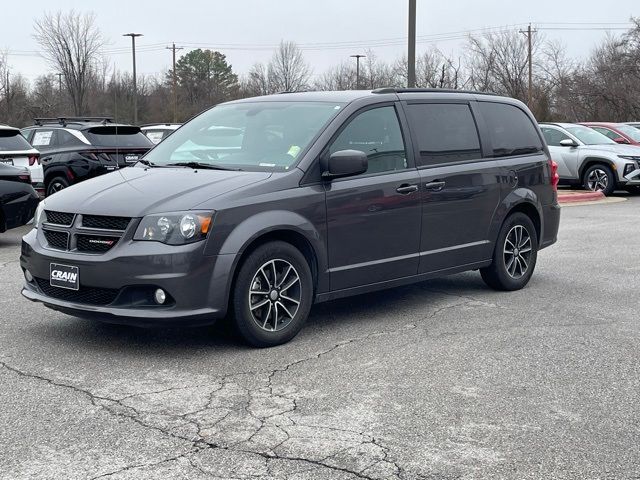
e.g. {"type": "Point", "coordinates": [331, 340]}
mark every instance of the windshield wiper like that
{"type": "Point", "coordinates": [147, 163]}
{"type": "Point", "coordinates": [208, 166]}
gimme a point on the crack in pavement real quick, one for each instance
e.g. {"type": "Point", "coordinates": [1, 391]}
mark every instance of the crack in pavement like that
{"type": "Point", "coordinates": [247, 412]}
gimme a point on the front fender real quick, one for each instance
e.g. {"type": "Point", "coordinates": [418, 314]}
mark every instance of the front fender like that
{"type": "Point", "coordinates": [265, 223]}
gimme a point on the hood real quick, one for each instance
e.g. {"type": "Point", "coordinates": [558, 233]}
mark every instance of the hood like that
{"type": "Point", "coordinates": [616, 149]}
{"type": "Point", "coordinates": [135, 192]}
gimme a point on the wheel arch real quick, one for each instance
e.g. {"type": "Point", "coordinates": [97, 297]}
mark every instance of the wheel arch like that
{"type": "Point", "coordinates": [284, 226]}
{"type": "Point", "coordinates": [591, 160]}
{"type": "Point", "coordinates": [519, 200]}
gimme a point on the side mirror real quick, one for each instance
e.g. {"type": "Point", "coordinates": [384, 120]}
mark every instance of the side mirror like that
{"type": "Point", "coordinates": [344, 163]}
{"type": "Point", "coordinates": [567, 142]}
{"type": "Point", "coordinates": [621, 140]}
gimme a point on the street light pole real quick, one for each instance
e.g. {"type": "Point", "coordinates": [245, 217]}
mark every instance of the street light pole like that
{"type": "Point", "coordinates": [358, 57]}
{"type": "Point", "coordinates": [411, 53]}
{"type": "Point", "coordinates": [135, 86]}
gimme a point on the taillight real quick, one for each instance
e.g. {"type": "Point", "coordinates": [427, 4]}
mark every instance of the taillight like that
{"type": "Point", "coordinates": [33, 160]}
{"type": "Point", "coordinates": [25, 178]}
{"type": "Point", "coordinates": [555, 178]}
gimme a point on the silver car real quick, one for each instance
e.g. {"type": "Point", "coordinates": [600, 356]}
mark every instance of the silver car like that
{"type": "Point", "coordinates": [588, 158]}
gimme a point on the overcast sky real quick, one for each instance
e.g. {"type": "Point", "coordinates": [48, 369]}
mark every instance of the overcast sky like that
{"type": "Point", "coordinates": [327, 30]}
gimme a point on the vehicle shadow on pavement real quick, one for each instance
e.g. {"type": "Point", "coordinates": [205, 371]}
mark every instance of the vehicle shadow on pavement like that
{"type": "Point", "coordinates": [370, 311]}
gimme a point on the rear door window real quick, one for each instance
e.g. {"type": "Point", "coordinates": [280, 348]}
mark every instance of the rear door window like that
{"type": "Point", "coordinates": [445, 132]}
{"type": "Point", "coordinates": [118, 137]}
{"type": "Point", "coordinates": [511, 130]}
{"type": "Point", "coordinates": [12, 141]}
{"type": "Point", "coordinates": [44, 138]}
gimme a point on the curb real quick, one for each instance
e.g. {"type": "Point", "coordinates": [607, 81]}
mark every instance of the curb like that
{"type": "Point", "coordinates": [580, 197]}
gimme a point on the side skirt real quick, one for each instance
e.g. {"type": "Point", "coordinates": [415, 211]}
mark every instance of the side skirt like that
{"type": "Point", "coordinates": [348, 292]}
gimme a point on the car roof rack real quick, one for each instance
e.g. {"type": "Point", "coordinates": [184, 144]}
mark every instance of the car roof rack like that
{"type": "Point", "coordinates": [64, 120]}
{"type": "Point", "coordinates": [427, 90]}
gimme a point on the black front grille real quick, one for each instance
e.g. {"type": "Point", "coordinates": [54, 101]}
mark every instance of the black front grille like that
{"type": "Point", "coordinates": [86, 295]}
{"type": "Point", "coordinates": [95, 244]}
{"type": "Point", "coordinates": [106, 223]}
{"type": "Point", "coordinates": [59, 218]}
{"type": "Point", "coordinates": [58, 240]}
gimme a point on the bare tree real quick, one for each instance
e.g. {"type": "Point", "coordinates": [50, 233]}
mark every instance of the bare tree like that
{"type": "Point", "coordinates": [71, 43]}
{"type": "Point", "coordinates": [256, 82]}
{"type": "Point", "coordinates": [433, 70]}
{"type": "Point", "coordinates": [498, 62]}
{"type": "Point", "coordinates": [340, 77]}
{"type": "Point", "coordinates": [287, 71]}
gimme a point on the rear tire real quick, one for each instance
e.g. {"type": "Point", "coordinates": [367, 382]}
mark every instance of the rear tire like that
{"type": "Point", "coordinates": [514, 256]}
{"type": "Point", "coordinates": [599, 178]}
{"type": "Point", "coordinates": [272, 295]}
{"type": "Point", "coordinates": [56, 184]}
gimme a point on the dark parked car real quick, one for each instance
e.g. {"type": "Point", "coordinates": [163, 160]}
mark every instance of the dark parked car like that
{"type": "Point", "coordinates": [261, 207]}
{"type": "Point", "coordinates": [18, 199]}
{"type": "Point", "coordinates": [75, 149]}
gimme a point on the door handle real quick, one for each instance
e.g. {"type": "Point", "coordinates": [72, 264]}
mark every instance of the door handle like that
{"type": "Point", "coordinates": [406, 189]}
{"type": "Point", "coordinates": [435, 186]}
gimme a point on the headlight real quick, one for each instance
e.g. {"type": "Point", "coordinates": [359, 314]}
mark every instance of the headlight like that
{"type": "Point", "coordinates": [630, 157]}
{"type": "Point", "coordinates": [37, 217]}
{"type": "Point", "coordinates": [175, 228]}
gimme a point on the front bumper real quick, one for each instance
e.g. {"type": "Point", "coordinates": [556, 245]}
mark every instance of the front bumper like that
{"type": "Point", "coordinates": [117, 287]}
{"type": "Point", "coordinates": [632, 179]}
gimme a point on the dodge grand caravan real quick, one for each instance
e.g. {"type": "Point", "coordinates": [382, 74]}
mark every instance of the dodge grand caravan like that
{"type": "Point", "coordinates": [258, 208]}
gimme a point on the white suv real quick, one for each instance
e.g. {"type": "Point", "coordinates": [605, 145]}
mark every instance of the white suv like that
{"type": "Point", "coordinates": [157, 132]}
{"type": "Point", "coordinates": [15, 150]}
{"type": "Point", "coordinates": [591, 159]}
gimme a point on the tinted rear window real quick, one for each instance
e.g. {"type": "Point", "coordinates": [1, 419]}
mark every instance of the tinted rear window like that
{"type": "Point", "coordinates": [120, 137]}
{"type": "Point", "coordinates": [512, 131]}
{"type": "Point", "coordinates": [11, 141]}
{"type": "Point", "coordinates": [445, 132]}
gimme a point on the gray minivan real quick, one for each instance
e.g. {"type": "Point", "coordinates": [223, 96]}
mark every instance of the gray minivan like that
{"type": "Point", "coordinates": [258, 208]}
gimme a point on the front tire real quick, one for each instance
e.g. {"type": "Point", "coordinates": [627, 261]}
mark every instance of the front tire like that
{"type": "Point", "coordinates": [599, 178]}
{"type": "Point", "coordinates": [272, 295]}
{"type": "Point", "coordinates": [514, 256]}
{"type": "Point", "coordinates": [56, 184]}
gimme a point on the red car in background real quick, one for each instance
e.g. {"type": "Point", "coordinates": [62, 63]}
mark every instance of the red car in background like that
{"type": "Point", "coordinates": [618, 132]}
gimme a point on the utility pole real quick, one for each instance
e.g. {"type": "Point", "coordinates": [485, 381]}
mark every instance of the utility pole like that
{"type": "Point", "coordinates": [529, 33]}
{"type": "Point", "coordinates": [175, 83]}
{"type": "Point", "coordinates": [358, 57]}
{"type": "Point", "coordinates": [135, 86]}
{"type": "Point", "coordinates": [59, 82]}
{"type": "Point", "coordinates": [411, 53]}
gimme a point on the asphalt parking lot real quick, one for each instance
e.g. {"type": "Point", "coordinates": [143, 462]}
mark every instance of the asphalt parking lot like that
{"type": "Point", "coordinates": [445, 379]}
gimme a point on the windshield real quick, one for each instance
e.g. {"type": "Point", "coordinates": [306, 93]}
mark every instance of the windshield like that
{"type": "Point", "coordinates": [247, 136]}
{"type": "Point", "coordinates": [589, 136]}
{"type": "Point", "coordinates": [631, 132]}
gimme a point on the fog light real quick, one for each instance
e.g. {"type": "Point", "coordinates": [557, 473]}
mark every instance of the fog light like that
{"type": "Point", "coordinates": [28, 276]}
{"type": "Point", "coordinates": [160, 296]}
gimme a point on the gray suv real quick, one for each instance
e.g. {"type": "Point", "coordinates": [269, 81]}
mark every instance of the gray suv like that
{"type": "Point", "coordinates": [589, 158]}
{"type": "Point", "coordinates": [260, 207]}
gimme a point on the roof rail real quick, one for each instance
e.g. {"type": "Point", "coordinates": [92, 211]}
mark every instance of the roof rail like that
{"type": "Point", "coordinates": [64, 120]}
{"type": "Point", "coordinates": [427, 90]}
